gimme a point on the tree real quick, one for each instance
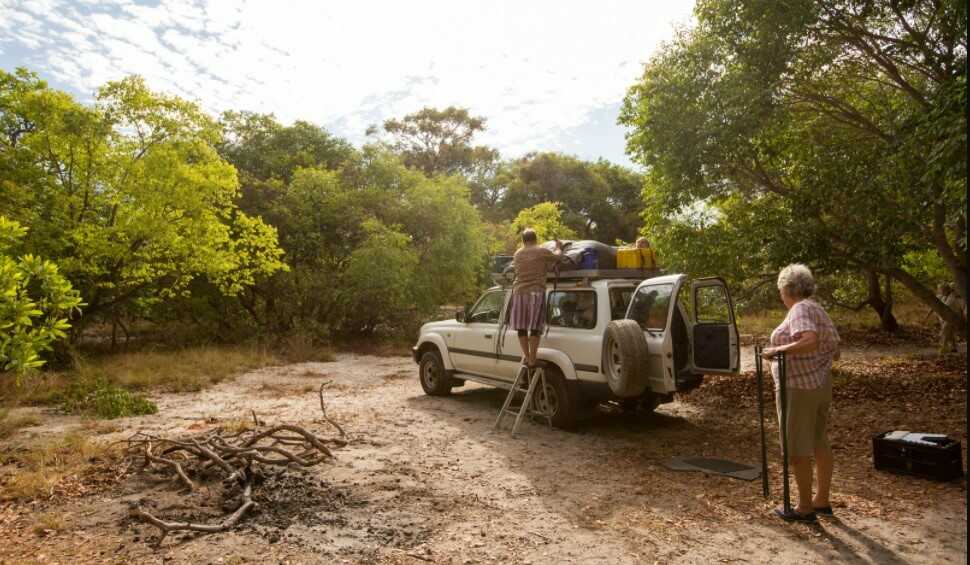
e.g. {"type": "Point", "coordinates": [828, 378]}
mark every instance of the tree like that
{"type": "Point", "coordinates": [128, 197]}
{"type": "Point", "coordinates": [439, 141]}
{"type": "Point", "coordinates": [36, 302]}
{"type": "Point", "coordinates": [372, 245]}
{"type": "Point", "coordinates": [599, 200]}
{"type": "Point", "coordinates": [803, 129]}
{"type": "Point", "coordinates": [266, 155]}
{"type": "Point", "coordinates": [545, 218]}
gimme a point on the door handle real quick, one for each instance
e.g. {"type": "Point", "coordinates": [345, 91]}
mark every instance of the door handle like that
{"type": "Point", "coordinates": [488, 336]}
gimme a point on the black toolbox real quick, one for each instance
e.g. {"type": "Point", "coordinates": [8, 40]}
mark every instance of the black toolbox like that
{"type": "Point", "coordinates": [942, 461]}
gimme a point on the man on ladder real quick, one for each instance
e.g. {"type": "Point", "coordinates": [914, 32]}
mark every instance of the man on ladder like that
{"type": "Point", "coordinates": [528, 318]}
{"type": "Point", "coordinates": [528, 313]}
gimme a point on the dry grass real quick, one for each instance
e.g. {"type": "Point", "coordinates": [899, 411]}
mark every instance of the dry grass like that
{"type": "Point", "coordinates": [239, 425]}
{"type": "Point", "coordinates": [99, 427]}
{"type": "Point", "coordinates": [302, 349]}
{"type": "Point", "coordinates": [42, 468]}
{"type": "Point", "coordinates": [49, 523]}
{"type": "Point", "coordinates": [10, 424]}
{"type": "Point", "coordinates": [184, 370]}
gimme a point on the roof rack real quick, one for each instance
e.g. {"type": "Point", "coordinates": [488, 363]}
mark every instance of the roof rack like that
{"type": "Point", "coordinates": [595, 274]}
{"type": "Point", "coordinates": [504, 279]}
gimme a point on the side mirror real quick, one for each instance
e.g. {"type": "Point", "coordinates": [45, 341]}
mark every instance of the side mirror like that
{"type": "Point", "coordinates": [460, 315]}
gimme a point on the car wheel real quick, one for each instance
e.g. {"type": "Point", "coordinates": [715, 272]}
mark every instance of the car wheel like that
{"type": "Point", "coordinates": [434, 380]}
{"type": "Point", "coordinates": [556, 400]}
{"type": "Point", "coordinates": [626, 358]}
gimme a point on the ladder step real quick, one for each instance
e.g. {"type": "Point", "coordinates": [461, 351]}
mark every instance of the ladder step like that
{"type": "Point", "coordinates": [526, 382]}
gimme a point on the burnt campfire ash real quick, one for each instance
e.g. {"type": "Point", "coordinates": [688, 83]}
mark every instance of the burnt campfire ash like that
{"type": "Point", "coordinates": [243, 460]}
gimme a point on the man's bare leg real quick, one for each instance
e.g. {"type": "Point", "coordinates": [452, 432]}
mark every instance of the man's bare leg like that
{"type": "Point", "coordinates": [524, 346]}
{"type": "Point", "coordinates": [533, 349]}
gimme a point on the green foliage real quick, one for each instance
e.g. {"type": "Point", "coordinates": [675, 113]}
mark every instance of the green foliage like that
{"type": "Point", "coordinates": [440, 142]}
{"type": "Point", "coordinates": [545, 219]}
{"type": "Point", "coordinates": [799, 132]}
{"type": "Point", "coordinates": [380, 272]}
{"type": "Point", "coordinates": [598, 200]}
{"type": "Point", "coordinates": [36, 302]}
{"type": "Point", "coordinates": [372, 245]}
{"type": "Point", "coordinates": [99, 397]}
{"type": "Point", "coordinates": [129, 196]}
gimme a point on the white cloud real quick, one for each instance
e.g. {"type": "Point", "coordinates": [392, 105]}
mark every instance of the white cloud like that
{"type": "Point", "coordinates": [534, 69]}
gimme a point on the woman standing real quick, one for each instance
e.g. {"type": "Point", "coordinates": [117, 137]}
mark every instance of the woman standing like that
{"type": "Point", "coordinates": [810, 342]}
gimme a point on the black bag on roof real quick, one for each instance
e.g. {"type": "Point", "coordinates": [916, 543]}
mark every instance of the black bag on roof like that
{"type": "Point", "coordinates": [585, 254]}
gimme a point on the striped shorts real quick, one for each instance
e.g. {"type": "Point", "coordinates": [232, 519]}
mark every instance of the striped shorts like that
{"type": "Point", "coordinates": [528, 311]}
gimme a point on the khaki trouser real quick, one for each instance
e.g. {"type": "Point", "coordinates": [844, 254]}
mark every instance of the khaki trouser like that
{"type": "Point", "coordinates": [808, 416]}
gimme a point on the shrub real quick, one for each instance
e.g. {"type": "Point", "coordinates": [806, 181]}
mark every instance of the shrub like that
{"type": "Point", "coordinates": [99, 397]}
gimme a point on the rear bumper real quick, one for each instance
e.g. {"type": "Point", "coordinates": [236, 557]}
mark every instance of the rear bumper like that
{"type": "Point", "coordinates": [414, 354]}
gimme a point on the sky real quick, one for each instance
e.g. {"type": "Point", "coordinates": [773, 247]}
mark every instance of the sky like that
{"type": "Point", "coordinates": [547, 75]}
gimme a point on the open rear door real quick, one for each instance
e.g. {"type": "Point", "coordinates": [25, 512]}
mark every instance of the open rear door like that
{"type": "Point", "coordinates": [715, 346]}
{"type": "Point", "coordinates": [651, 308]}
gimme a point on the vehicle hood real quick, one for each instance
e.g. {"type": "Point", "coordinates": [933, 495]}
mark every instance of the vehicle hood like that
{"type": "Point", "coordinates": [432, 327]}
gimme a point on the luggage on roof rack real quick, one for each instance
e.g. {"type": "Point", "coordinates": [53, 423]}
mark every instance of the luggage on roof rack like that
{"type": "Point", "coordinates": [586, 254]}
{"type": "Point", "coordinates": [584, 259]}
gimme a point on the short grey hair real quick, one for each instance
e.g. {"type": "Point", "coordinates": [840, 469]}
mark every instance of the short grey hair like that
{"type": "Point", "coordinates": [796, 280]}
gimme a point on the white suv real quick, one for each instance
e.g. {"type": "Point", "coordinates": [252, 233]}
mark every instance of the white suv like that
{"type": "Point", "coordinates": [611, 337]}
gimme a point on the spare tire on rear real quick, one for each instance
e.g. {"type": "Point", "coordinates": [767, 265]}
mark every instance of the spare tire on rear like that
{"type": "Point", "coordinates": [625, 364]}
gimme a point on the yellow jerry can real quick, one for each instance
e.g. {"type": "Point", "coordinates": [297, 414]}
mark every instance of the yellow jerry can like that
{"type": "Point", "coordinates": [636, 258]}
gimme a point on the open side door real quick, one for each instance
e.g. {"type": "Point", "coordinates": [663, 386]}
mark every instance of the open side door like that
{"type": "Point", "coordinates": [652, 306]}
{"type": "Point", "coordinates": [715, 347]}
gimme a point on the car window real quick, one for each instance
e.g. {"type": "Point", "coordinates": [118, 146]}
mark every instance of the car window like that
{"type": "Point", "coordinates": [620, 301]}
{"type": "Point", "coordinates": [488, 308]}
{"type": "Point", "coordinates": [712, 305]}
{"type": "Point", "coordinates": [572, 309]}
{"type": "Point", "coordinates": [650, 306]}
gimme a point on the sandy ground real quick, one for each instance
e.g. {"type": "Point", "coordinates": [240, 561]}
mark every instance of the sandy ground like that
{"type": "Point", "coordinates": [427, 480]}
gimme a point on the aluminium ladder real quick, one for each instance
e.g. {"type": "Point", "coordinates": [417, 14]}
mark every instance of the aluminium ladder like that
{"type": "Point", "coordinates": [536, 378]}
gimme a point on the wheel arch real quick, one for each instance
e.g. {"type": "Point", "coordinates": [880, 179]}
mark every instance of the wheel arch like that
{"type": "Point", "coordinates": [560, 360]}
{"type": "Point", "coordinates": [430, 342]}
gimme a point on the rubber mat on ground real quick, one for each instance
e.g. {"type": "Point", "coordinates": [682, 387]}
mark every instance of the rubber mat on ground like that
{"type": "Point", "coordinates": [714, 467]}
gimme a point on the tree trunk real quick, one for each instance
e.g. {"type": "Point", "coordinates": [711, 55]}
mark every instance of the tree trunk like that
{"type": "Point", "coordinates": [882, 306]}
{"type": "Point", "coordinates": [954, 317]}
{"type": "Point", "coordinates": [955, 261]}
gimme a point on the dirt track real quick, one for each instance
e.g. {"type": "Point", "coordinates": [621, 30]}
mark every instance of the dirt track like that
{"type": "Point", "coordinates": [426, 480]}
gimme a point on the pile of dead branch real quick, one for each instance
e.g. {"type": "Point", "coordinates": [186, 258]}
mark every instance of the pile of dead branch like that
{"type": "Point", "coordinates": [237, 458]}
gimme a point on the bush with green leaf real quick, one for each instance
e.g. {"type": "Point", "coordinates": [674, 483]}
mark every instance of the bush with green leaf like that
{"type": "Point", "coordinates": [98, 396]}
{"type": "Point", "coordinates": [545, 218]}
{"type": "Point", "coordinates": [36, 302]}
{"type": "Point", "coordinates": [128, 195]}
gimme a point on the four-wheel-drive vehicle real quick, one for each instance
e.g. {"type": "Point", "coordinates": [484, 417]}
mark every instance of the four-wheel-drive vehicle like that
{"type": "Point", "coordinates": [611, 336]}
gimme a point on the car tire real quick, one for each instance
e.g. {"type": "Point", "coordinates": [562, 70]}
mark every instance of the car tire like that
{"type": "Point", "coordinates": [431, 372]}
{"type": "Point", "coordinates": [557, 400]}
{"type": "Point", "coordinates": [625, 364]}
